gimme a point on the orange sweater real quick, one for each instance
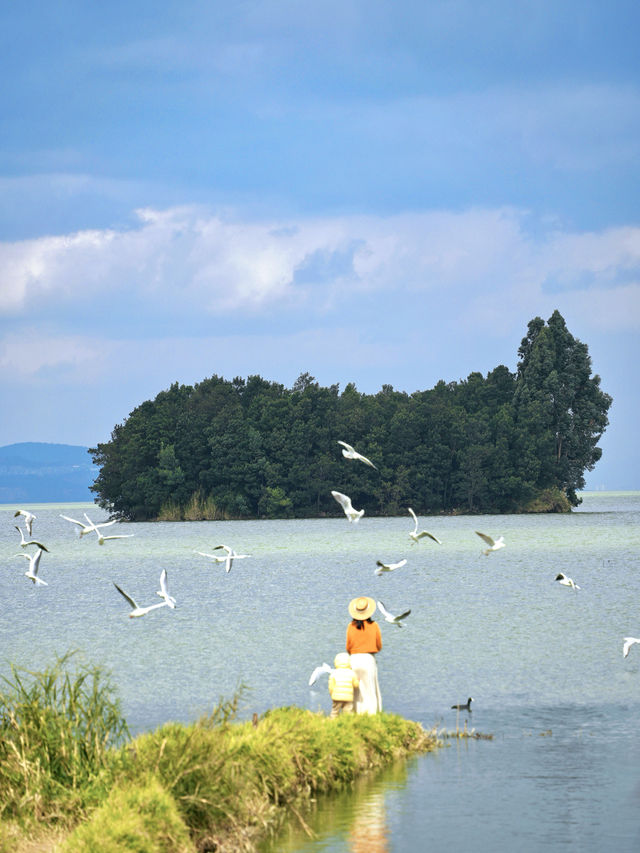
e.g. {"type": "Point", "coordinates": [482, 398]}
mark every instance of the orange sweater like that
{"type": "Point", "coordinates": [367, 639]}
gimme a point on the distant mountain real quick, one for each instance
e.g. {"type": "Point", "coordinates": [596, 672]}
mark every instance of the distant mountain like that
{"type": "Point", "coordinates": [38, 472]}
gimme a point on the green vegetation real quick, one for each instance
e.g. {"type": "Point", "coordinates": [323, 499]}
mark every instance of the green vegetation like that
{"type": "Point", "coordinates": [507, 442]}
{"type": "Point", "coordinates": [71, 778]}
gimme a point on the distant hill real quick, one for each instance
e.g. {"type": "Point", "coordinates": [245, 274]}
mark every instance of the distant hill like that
{"type": "Point", "coordinates": [39, 472]}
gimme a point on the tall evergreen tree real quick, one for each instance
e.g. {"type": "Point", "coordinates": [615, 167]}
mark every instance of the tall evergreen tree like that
{"type": "Point", "coordinates": [560, 403]}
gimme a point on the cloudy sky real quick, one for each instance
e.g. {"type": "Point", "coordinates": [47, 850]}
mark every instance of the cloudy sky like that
{"type": "Point", "coordinates": [371, 191]}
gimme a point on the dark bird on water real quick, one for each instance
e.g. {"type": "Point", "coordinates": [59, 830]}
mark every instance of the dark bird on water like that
{"type": "Point", "coordinates": [465, 707]}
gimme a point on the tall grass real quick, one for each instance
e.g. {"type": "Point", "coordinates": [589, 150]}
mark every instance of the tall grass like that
{"type": "Point", "coordinates": [66, 760]}
{"type": "Point", "coordinates": [198, 508]}
{"type": "Point", "coordinates": [56, 731]}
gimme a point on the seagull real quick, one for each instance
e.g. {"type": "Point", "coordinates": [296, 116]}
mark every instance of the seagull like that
{"type": "Point", "coordinates": [24, 543]}
{"type": "Point", "coordinates": [352, 514]}
{"type": "Point", "coordinates": [388, 567]}
{"type": "Point", "coordinates": [494, 545]}
{"type": "Point", "coordinates": [28, 518]}
{"type": "Point", "coordinates": [628, 642]}
{"type": "Point", "coordinates": [87, 528]}
{"type": "Point", "coordinates": [102, 538]}
{"type": "Point", "coordinates": [34, 564]}
{"type": "Point", "coordinates": [350, 453]}
{"type": "Point", "coordinates": [163, 592]}
{"type": "Point", "coordinates": [465, 707]}
{"type": "Point", "coordinates": [389, 617]}
{"type": "Point", "coordinates": [135, 610]}
{"type": "Point", "coordinates": [228, 560]}
{"type": "Point", "coordinates": [318, 671]}
{"type": "Point", "coordinates": [565, 581]}
{"type": "Point", "coordinates": [418, 536]}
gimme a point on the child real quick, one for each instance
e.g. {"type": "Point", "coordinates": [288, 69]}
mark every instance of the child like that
{"type": "Point", "coordinates": [342, 683]}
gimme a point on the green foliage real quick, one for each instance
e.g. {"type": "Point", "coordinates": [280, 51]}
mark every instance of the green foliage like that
{"type": "Point", "coordinates": [56, 730]}
{"type": "Point", "coordinates": [249, 449]}
{"type": "Point", "coordinates": [234, 781]}
{"type": "Point", "coordinates": [140, 818]}
{"type": "Point", "coordinates": [215, 784]}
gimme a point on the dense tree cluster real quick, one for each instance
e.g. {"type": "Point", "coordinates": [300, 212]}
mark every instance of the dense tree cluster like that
{"type": "Point", "coordinates": [253, 448]}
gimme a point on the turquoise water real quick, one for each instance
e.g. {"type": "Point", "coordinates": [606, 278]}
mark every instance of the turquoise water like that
{"type": "Point", "coordinates": [543, 663]}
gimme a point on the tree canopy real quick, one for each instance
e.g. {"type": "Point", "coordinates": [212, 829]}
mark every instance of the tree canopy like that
{"type": "Point", "coordinates": [253, 448]}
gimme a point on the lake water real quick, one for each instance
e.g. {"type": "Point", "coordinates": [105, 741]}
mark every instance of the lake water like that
{"type": "Point", "coordinates": [542, 662]}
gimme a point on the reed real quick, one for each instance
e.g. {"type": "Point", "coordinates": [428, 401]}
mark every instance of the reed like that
{"type": "Point", "coordinates": [66, 761]}
{"type": "Point", "coordinates": [198, 508]}
{"type": "Point", "coordinates": [57, 728]}
{"type": "Point", "coordinates": [235, 783]}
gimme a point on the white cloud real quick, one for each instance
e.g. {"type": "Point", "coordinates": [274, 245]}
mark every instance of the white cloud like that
{"type": "Point", "coordinates": [189, 262]}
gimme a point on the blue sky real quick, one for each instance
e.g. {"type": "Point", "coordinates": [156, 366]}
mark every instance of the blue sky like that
{"type": "Point", "coordinates": [371, 192]}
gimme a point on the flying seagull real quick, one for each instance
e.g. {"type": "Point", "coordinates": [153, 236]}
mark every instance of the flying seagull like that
{"type": "Point", "coordinates": [389, 617]}
{"type": "Point", "coordinates": [135, 609]}
{"type": "Point", "coordinates": [414, 533]}
{"type": "Point", "coordinates": [102, 538]}
{"type": "Point", "coordinates": [34, 565]}
{"type": "Point", "coordinates": [228, 560]}
{"type": "Point", "coordinates": [388, 567]}
{"type": "Point", "coordinates": [465, 707]}
{"type": "Point", "coordinates": [318, 671]}
{"type": "Point", "coordinates": [24, 543]}
{"type": "Point", "coordinates": [87, 528]}
{"type": "Point", "coordinates": [163, 592]}
{"type": "Point", "coordinates": [565, 581]}
{"type": "Point", "coordinates": [28, 518]}
{"type": "Point", "coordinates": [352, 514]}
{"type": "Point", "coordinates": [494, 544]}
{"type": "Point", "coordinates": [350, 453]}
{"type": "Point", "coordinates": [628, 642]}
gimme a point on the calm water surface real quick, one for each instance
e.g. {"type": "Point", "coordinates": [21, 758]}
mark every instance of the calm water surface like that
{"type": "Point", "coordinates": [544, 664]}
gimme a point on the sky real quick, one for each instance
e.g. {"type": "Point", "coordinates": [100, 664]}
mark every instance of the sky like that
{"type": "Point", "coordinates": [379, 192]}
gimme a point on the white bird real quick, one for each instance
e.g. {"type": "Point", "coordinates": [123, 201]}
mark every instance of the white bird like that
{"type": "Point", "coordinates": [29, 518]}
{"type": "Point", "coordinates": [163, 592]}
{"type": "Point", "coordinates": [87, 528]}
{"type": "Point", "coordinates": [102, 538]}
{"type": "Point", "coordinates": [350, 453]}
{"type": "Point", "coordinates": [565, 581]}
{"type": "Point", "coordinates": [135, 609]}
{"type": "Point", "coordinates": [388, 567]}
{"type": "Point", "coordinates": [34, 565]}
{"type": "Point", "coordinates": [25, 543]}
{"type": "Point", "coordinates": [389, 617]}
{"type": "Point", "coordinates": [628, 642]}
{"type": "Point", "coordinates": [318, 671]}
{"type": "Point", "coordinates": [494, 544]}
{"type": "Point", "coordinates": [228, 560]}
{"type": "Point", "coordinates": [418, 536]}
{"type": "Point", "coordinates": [352, 514]}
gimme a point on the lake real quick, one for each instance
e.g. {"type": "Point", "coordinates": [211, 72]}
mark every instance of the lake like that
{"type": "Point", "coordinates": [542, 662]}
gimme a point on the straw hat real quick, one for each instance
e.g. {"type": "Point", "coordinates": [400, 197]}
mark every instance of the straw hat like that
{"type": "Point", "coordinates": [362, 608]}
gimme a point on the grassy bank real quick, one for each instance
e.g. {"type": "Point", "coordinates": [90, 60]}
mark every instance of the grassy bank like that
{"type": "Point", "coordinates": [72, 779]}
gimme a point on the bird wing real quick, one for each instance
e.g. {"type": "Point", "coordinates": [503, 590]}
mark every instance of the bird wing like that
{"type": "Point", "coordinates": [72, 520]}
{"type": "Point", "coordinates": [128, 597]}
{"type": "Point", "coordinates": [486, 538]}
{"type": "Point", "coordinates": [224, 547]}
{"type": "Point", "coordinates": [343, 500]}
{"type": "Point", "coordinates": [628, 642]}
{"type": "Point", "coordinates": [384, 611]}
{"type": "Point", "coordinates": [163, 583]}
{"type": "Point", "coordinates": [348, 446]}
{"type": "Point", "coordinates": [34, 561]}
{"type": "Point", "coordinates": [403, 615]}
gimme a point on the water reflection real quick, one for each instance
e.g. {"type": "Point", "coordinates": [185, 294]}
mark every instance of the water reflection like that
{"type": "Point", "coordinates": [369, 832]}
{"type": "Point", "coordinates": [354, 820]}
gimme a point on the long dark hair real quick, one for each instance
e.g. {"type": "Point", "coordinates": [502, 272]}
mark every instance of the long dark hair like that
{"type": "Point", "coordinates": [359, 623]}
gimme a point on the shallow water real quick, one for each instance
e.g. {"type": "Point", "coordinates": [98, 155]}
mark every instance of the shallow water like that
{"type": "Point", "coordinates": [543, 663]}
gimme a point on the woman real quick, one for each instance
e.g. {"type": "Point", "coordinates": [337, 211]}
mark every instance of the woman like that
{"type": "Point", "coordinates": [363, 643]}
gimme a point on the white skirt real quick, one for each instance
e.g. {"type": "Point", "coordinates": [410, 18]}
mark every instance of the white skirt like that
{"type": "Point", "coordinates": [366, 699]}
